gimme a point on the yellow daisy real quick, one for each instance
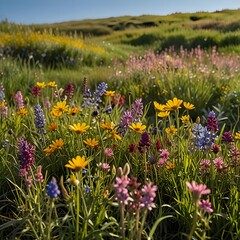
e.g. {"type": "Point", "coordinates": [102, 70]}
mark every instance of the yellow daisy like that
{"type": "Point", "coordinates": [138, 127]}
{"type": "Point", "coordinates": [107, 125]}
{"type": "Point", "coordinates": [41, 84]}
{"type": "Point", "coordinates": [53, 126]}
{"type": "Point", "coordinates": [91, 142]}
{"type": "Point", "coordinates": [163, 114]}
{"type": "Point", "coordinates": [22, 111]}
{"type": "Point", "coordinates": [57, 144]}
{"type": "Point", "coordinates": [113, 134]}
{"type": "Point", "coordinates": [60, 108]}
{"type": "Point", "coordinates": [159, 107]}
{"type": "Point", "coordinates": [185, 118]}
{"type": "Point", "coordinates": [109, 93]}
{"type": "Point", "coordinates": [73, 180]}
{"type": "Point", "coordinates": [237, 136]}
{"type": "Point", "coordinates": [188, 105]}
{"type": "Point", "coordinates": [73, 111]}
{"type": "Point", "coordinates": [48, 151]}
{"type": "Point", "coordinates": [173, 104]}
{"type": "Point", "coordinates": [51, 84]}
{"type": "Point", "coordinates": [171, 130]}
{"type": "Point", "coordinates": [77, 163]}
{"type": "Point", "coordinates": [79, 127]}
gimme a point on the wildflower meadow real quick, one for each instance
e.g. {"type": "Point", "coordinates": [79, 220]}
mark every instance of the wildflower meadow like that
{"type": "Point", "coordinates": [151, 152]}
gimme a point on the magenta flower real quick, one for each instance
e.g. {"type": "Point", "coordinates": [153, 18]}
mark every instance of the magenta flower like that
{"type": "Point", "coordinates": [148, 195]}
{"type": "Point", "coordinates": [205, 206]}
{"type": "Point", "coordinates": [108, 152]}
{"type": "Point", "coordinates": [161, 162]}
{"type": "Point", "coordinates": [205, 165]}
{"type": "Point", "coordinates": [39, 175]}
{"type": "Point", "coordinates": [121, 190]}
{"type": "Point", "coordinates": [234, 154]}
{"type": "Point", "coordinates": [26, 156]}
{"type": "Point", "coordinates": [164, 154]}
{"type": "Point", "coordinates": [104, 166]}
{"type": "Point", "coordinates": [227, 137]}
{"type": "Point", "coordinates": [197, 190]}
{"type": "Point", "coordinates": [36, 91]}
{"type": "Point", "coordinates": [19, 100]}
{"type": "Point", "coordinates": [219, 164]}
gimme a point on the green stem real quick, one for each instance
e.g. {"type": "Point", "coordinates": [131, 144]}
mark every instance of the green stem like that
{"type": "Point", "coordinates": [50, 219]}
{"type": "Point", "coordinates": [194, 222]}
{"type": "Point", "coordinates": [77, 214]}
{"type": "Point", "coordinates": [139, 234]}
{"type": "Point", "coordinates": [122, 209]}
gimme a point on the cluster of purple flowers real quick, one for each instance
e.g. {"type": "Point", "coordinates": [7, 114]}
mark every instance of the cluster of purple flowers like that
{"type": "Point", "coordinates": [92, 100]}
{"type": "Point", "coordinates": [19, 99]}
{"type": "Point", "coordinates": [39, 119]}
{"type": "Point", "coordinates": [164, 156]}
{"type": "Point", "coordinates": [130, 116]}
{"type": "Point", "coordinates": [52, 189]}
{"type": "Point", "coordinates": [197, 191]}
{"type": "Point", "coordinates": [26, 155]}
{"type": "Point", "coordinates": [127, 192]}
{"type": "Point", "coordinates": [69, 91]}
{"type": "Point", "coordinates": [204, 137]}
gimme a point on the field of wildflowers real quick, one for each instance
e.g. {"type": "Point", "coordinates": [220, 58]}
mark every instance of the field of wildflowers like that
{"type": "Point", "coordinates": [150, 153]}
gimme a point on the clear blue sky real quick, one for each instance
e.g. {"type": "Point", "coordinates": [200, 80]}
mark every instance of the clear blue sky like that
{"type": "Point", "coordinates": [49, 11]}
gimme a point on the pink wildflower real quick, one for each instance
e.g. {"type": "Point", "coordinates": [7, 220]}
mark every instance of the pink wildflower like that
{"type": "Point", "coordinates": [148, 195]}
{"type": "Point", "coordinates": [205, 206]}
{"type": "Point", "coordinates": [197, 190]}
{"type": "Point", "coordinates": [219, 164]}
{"type": "Point", "coordinates": [205, 165]}
{"type": "Point", "coordinates": [108, 152]}
{"type": "Point", "coordinates": [19, 99]}
{"type": "Point", "coordinates": [104, 166]}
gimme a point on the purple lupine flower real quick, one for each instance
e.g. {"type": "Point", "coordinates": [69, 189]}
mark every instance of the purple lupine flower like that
{"type": "Point", "coordinates": [148, 195]}
{"type": "Point", "coordinates": [39, 119]}
{"type": "Point", "coordinates": [205, 206]}
{"type": "Point", "coordinates": [205, 139]}
{"type": "Point", "coordinates": [197, 190]}
{"type": "Point", "coordinates": [227, 137]}
{"type": "Point", "coordinates": [121, 190]}
{"type": "Point", "coordinates": [52, 188]}
{"type": "Point", "coordinates": [125, 121]}
{"type": "Point", "coordinates": [19, 100]}
{"type": "Point", "coordinates": [144, 142]}
{"type": "Point", "coordinates": [101, 89]}
{"type": "Point", "coordinates": [212, 122]}
{"type": "Point", "coordinates": [137, 110]}
{"type": "Point", "coordinates": [26, 155]}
